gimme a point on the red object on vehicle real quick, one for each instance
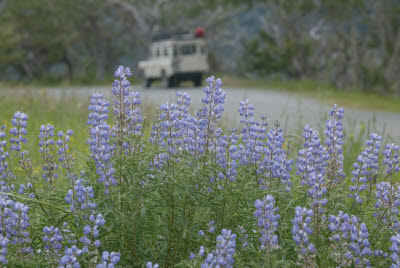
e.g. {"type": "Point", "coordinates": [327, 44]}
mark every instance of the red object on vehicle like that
{"type": "Point", "coordinates": [199, 32]}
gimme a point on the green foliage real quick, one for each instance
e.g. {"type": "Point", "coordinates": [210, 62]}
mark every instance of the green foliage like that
{"type": "Point", "coordinates": [155, 215]}
{"type": "Point", "coordinates": [267, 57]}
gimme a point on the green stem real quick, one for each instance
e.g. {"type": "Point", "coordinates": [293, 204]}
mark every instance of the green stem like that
{"type": "Point", "coordinates": [36, 201]}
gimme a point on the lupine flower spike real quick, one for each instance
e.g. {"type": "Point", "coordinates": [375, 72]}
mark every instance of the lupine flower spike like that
{"type": "Point", "coordinates": [301, 231]}
{"type": "Point", "coordinates": [349, 240]}
{"type": "Point", "coordinates": [365, 169]}
{"type": "Point", "coordinates": [222, 256]}
{"type": "Point", "coordinates": [334, 142]}
{"type": "Point", "coordinates": [47, 150]}
{"type": "Point", "coordinates": [99, 141]}
{"type": "Point", "coordinates": [267, 221]}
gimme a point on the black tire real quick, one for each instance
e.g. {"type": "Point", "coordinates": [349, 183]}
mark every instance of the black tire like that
{"type": "Point", "coordinates": [165, 80]}
{"type": "Point", "coordinates": [197, 80]}
{"type": "Point", "coordinates": [147, 83]}
{"type": "Point", "coordinates": [176, 82]}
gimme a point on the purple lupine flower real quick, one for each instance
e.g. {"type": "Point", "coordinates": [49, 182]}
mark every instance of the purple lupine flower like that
{"type": "Point", "coordinates": [380, 253]}
{"type": "Point", "coordinates": [391, 154]}
{"type": "Point", "coordinates": [22, 237]}
{"type": "Point", "coordinates": [18, 130]}
{"type": "Point", "coordinates": [127, 116]}
{"type": "Point", "coordinates": [192, 256]}
{"type": "Point", "coordinates": [122, 72]}
{"type": "Point", "coordinates": [312, 159]}
{"type": "Point", "coordinates": [90, 241]}
{"type": "Point", "coordinates": [334, 142]}
{"type": "Point", "coordinates": [222, 256]}
{"type": "Point", "coordinates": [183, 102]}
{"type": "Point", "coordinates": [171, 130]}
{"type": "Point", "coordinates": [65, 157]}
{"type": "Point", "coordinates": [349, 238]}
{"type": "Point", "coordinates": [201, 253]}
{"type": "Point", "coordinates": [169, 135]}
{"type": "Point", "coordinates": [151, 265]}
{"type": "Point", "coordinates": [100, 146]}
{"type": "Point", "coordinates": [3, 252]}
{"type": "Point", "coordinates": [387, 205]}
{"type": "Point", "coordinates": [395, 249]}
{"type": "Point", "coordinates": [253, 135]}
{"type": "Point", "coordinates": [134, 122]}
{"type": "Point", "coordinates": [194, 136]}
{"type": "Point", "coordinates": [14, 226]}
{"type": "Point", "coordinates": [301, 231]}
{"type": "Point", "coordinates": [91, 232]}
{"type": "Point", "coordinates": [160, 159]}
{"type": "Point", "coordinates": [359, 242]}
{"type": "Point", "coordinates": [243, 237]}
{"type": "Point", "coordinates": [311, 166]}
{"type": "Point", "coordinates": [203, 132]}
{"type": "Point", "coordinates": [211, 226]}
{"type": "Point", "coordinates": [25, 190]}
{"type": "Point", "coordinates": [5, 170]}
{"type": "Point", "coordinates": [109, 260]}
{"type": "Point", "coordinates": [46, 145]}
{"type": "Point", "coordinates": [228, 155]}
{"type": "Point", "coordinates": [276, 163]}
{"type": "Point", "coordinates": [80, 197]}
{"type": "Point", "coordinates": [98, 110]}
{"type": "Point", "coordinates": [67, 161]}
{"type": "Point", "coordinates": [135, 119]}
{"type": "Point", "coordinates": [70, 257]}
{"type": "Point", "coordinates": [267, 221]}
{"type": "Point", "coordinates": [52, 243]}
{"type": "Point", "coordinates": [365, 168]}
{"type": "Point", "coordinates": [121, 91]}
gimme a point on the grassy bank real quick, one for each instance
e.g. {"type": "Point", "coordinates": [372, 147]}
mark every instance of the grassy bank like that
{"type": "Point", "coordinates": [64, 113]}
{"type": "Point", "coordinates": [350, 98]}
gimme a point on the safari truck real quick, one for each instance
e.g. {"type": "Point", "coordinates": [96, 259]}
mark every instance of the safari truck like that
{"type": "Point", "coordinates": [175, 58]}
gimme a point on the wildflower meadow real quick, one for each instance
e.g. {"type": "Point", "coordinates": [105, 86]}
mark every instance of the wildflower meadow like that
{"type": "Point", "coordinates": [192, 194]}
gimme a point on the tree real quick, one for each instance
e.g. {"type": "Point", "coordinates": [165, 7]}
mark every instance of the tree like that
{"type": "Point", "coordinates": [284, 43]}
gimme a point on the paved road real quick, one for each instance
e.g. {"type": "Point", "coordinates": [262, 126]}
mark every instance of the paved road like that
{"type": "Point", "coordinates": [291, 110]}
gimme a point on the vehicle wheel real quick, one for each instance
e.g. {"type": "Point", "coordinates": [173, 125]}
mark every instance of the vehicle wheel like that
{"type": "Point", "coordinates": [174, 81]}
{"type": "Point", "coordinates": [177, 82]}
{"type": "Point", "coordinates": [165, 81]}
{"type": "Point", "coordinates": [147, 83]}
{"type": "Point", "coordinates": [197, 80]}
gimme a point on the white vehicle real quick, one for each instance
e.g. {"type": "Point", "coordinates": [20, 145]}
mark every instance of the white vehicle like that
{"type": "Point", "coordinates": [176, 58]}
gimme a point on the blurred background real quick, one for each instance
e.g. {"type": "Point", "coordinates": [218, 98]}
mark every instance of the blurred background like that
{"type": "Point", "coordinates": [349, 44]}
{"type": "Point", "coordinates": [292, 59]}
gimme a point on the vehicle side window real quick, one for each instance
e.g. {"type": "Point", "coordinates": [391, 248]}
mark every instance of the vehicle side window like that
{"type": "Point", "coordinates": [175, 51]}
{"type": "Point", "coordinates": [166, 51]}
{"type": "Point", "coordinates": [158, 52]}
{"type": "Point", "coordinates": [188, 49]}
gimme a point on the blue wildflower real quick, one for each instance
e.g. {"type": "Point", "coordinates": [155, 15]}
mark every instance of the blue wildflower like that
{"type": "Point", "coordinates": [334, 142]}
{"type": "Point", "coordinates": [267, 221]}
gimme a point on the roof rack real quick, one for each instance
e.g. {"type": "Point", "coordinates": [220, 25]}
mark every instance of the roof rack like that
{"type": "Point", "coordinates": [173, 35]}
